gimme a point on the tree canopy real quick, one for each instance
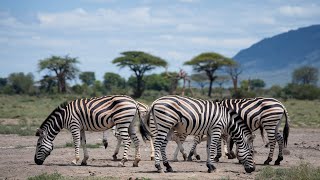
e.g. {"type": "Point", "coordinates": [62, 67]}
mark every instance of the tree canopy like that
{"type": "Point", "coordinates": [209, 62]}
{"type": "Point", "coordinates": [139, 62]}
{"type": "Point", "coordinates": [87, 78]}
{"type": "Point", "coordinates": [64, 69]}
{"type": "Point", "coordinates": [305, 75]}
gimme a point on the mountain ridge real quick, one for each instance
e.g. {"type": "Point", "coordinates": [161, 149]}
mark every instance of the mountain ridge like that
{"type": "Point", "coordinates": [282, 53]}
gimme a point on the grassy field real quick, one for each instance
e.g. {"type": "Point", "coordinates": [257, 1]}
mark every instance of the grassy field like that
{"type": "Point", "coordinates": [23, 114]}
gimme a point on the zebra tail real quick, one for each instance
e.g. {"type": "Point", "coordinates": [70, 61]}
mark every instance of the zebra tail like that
{"type": "Point", "coordinates": [286, 130]}
{"type": "Point", "coordinates": [145, 134]}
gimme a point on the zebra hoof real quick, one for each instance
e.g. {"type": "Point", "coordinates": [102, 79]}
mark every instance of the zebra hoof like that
{"type": "Point", "coordinates": [159, 169]}
{"type": "Point", "coordinates": [211, 168]}
{"type": "Point", "coordinates": [84, 163]}
{"type": "Point", "coordinates": [152, 158]}
{"type": "Point", "coordinates": [136, 162]}
{"type": "Point", "coordinates": [216, 159]}
{"type": "Point", "coordinates": [198, 157]}
{"type": "Point", "coordinates": [277, 162]}
{"type": "Point", "coordinates": [267, 161]}
{"type": "Point", "coordinates": [169, 169]}
{"type": "Point", "coordinates": [175, 160]}
{"type": "Point", "coordinates": [114, 157]}
{"type": "Point", "coordinates": [189, 158]}
{"type": "Point", "coordinates": [184, 156]}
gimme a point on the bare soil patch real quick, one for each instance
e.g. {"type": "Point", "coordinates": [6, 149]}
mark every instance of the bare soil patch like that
{"type": "Point", "coordinates": [17, 153]}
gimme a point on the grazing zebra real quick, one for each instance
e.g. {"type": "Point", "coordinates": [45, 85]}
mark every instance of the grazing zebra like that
{"type": "Point", "coordinates": [143, 109]}
{"type": "Point", "coordinates": [198, 117]}
{"type": "Point", "coordinates": [266, 114]}
{"type": "Point", "coordinates": [95, 114]}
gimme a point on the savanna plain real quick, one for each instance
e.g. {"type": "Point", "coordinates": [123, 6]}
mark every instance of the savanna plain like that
{"type": "Point", "coordinates": [21, 115]}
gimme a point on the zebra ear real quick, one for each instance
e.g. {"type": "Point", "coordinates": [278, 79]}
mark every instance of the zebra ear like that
{"type": "Point", "coordinates": [39, 132]}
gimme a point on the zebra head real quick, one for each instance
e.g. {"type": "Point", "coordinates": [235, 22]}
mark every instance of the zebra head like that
{"type": "Point", "coordinates": [243, 137]}
{"type": "Point", "coordinates": [246, 154]}
{"type": "Point", "coordinates": [44, 147]}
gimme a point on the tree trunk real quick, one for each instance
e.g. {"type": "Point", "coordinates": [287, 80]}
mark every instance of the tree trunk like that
{"type": "Point", "coordinates": [139, 89]}
{"type": "Point", "coordinates": [235, 84]}
{"type": "Point", "coordinates": [210, 87]}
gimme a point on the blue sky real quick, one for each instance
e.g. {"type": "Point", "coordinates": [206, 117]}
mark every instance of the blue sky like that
{"type": "Point", "coordinates": [97, 31]}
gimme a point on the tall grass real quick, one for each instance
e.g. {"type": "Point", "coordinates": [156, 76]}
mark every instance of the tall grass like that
{"type": "Point", "coordinates": [301, 172]}
{"type": "Point", "coordinates": [303, 113]}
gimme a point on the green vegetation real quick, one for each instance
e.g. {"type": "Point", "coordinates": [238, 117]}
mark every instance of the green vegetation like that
{"type": "Point", "coordinates": [303, 113]}
{"type": "Point", "coordinates": [301, 172]}
{"type": "Point", "coordinates": [54, 176]}
{"type": "Point", "coordinates": [24, 114]}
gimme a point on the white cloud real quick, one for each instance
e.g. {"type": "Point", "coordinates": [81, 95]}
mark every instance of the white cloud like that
{"type": "Point", "coordinates": [300, 11]}
{"type": "Point", "coordinates": [102, 19]}
{"type": "Point", "coordinates": [223, 42]}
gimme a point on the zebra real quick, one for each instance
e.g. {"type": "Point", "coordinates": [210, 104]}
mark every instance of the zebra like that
{"type": "Point", "coordinates": [195, 116]}
{"type": "Point", "coordinates": [265, 114]}
{"type": "Point", "coordinates": [95, 114]}
{"type": "Point", "coordinates": [143, 109]}
{"type": "Point", "coordinates": [262, 113]}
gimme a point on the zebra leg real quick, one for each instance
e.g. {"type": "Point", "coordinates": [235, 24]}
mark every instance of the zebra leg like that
{"type": "Point", "coordinates": [179, 140]}
{"type": "Point", "coordinates": [210, 147]}
{"type": "Point", "coordinates": [164, 156]}
{"type": "Point", "coordinates": [272, 141]}
{"type": "Point", "coordinates": [157, 145]}
{"type": "Point", "coordinates": [104, 139]}
{"type": "Point", "coordinates": [76, 140]}
{"type": "Point", "coordinates": [84, 146]}
{"type": "Point", "coordinates": [219, 154]}
{"type": "Point", "coordinates": [176, 152]}
{"type": "Point", "coordinates": [126, 140]}
{"type": "Point", "coordinates": [280, 143]}
{"type": "Point", "coordinates": [116, 151]}
{"type": "Point", "coordinates": [230, 153]}
{"type": "Point", "coordinates": [136, 142]}
{"type": "Point", "coordinates": [152, 150]}
{"type": "Point", "coordinates": [193, 151]}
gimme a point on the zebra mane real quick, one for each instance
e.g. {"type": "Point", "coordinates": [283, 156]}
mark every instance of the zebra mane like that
{"type": "Point", "coordinates": [61, 106]}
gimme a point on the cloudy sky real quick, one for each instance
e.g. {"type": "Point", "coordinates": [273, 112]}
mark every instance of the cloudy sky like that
{"type": "Point", "coordinates": [97, 31]}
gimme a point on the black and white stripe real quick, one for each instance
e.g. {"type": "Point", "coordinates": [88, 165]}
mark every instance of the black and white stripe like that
{"type": "Point", "coordinates": [263, 113]}
{"type": "Point", "coordinates": [198, 117]}
{"type": "Point", "coordinates": [95, 114]}
{"type": "Point", "coordinates": [143, 110]}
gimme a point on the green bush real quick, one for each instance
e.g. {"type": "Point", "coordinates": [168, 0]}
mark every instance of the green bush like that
{"type": "Point", "coordinates": [54, 176]}
{"type": "Point", "coordinates": [306, 91]}
{"type": "Point", "coordinates": [301, 172]}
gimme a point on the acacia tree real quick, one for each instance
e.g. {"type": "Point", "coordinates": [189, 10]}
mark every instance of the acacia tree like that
{"type": "Point", "coordinates": [305, 75]}
{"type": "Point", "coordinates": [234, 71]}
{"type": "Point", "coordinates": [139, 62]}
{"type": "Point", "coordinates": [64, 69]}
{"type": "Point", "coordinates": [209, 62]}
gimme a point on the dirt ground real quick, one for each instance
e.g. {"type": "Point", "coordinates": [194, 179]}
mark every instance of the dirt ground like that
{"type": "Point", "coordinates": [17, 153]}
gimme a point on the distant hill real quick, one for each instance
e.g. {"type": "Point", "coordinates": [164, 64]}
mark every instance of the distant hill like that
{"type": "Point", "coordinates": [281, 54]}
